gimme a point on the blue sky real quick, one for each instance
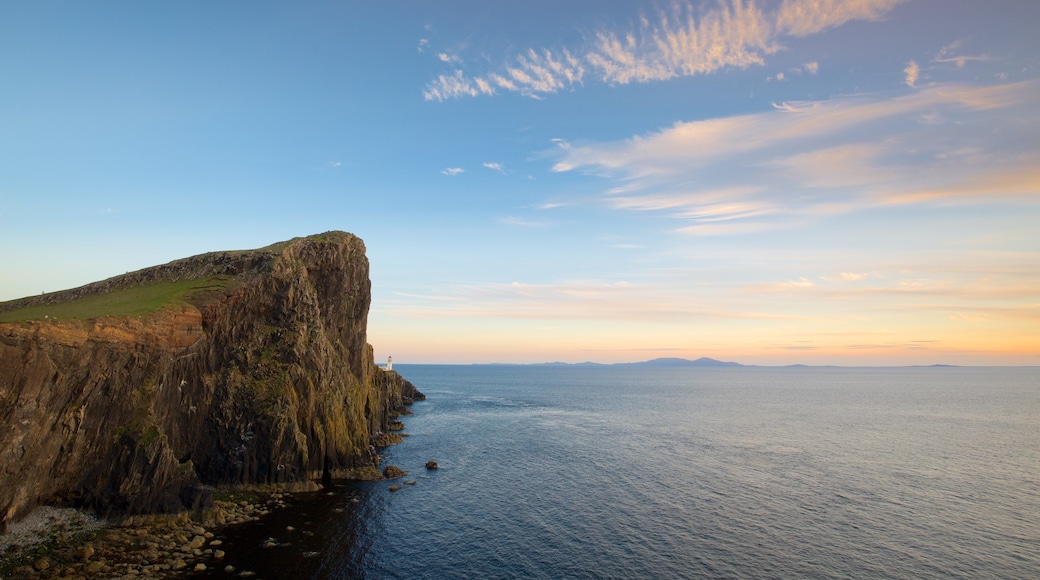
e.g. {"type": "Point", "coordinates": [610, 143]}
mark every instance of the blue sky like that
{"type": "Point", "coordinates": [825, 181]}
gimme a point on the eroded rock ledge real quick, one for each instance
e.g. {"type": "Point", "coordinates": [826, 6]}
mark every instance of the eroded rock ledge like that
{"type": "Point", "coordinates": [261, 374]}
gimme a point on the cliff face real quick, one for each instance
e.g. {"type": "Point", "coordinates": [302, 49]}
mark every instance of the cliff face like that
{"type": "Point", "coordinates": [261, 374]}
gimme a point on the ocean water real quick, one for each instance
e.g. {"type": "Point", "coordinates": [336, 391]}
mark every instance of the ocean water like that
{"type": "Point", "coordinates": [614, 472]}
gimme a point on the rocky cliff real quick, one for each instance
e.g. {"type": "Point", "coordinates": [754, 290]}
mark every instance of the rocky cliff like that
{"type": "Point", "coordinates": [255, 370]}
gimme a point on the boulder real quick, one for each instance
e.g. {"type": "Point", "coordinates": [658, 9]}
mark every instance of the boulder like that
{"type": "Point", "coordinates": [393, 472]}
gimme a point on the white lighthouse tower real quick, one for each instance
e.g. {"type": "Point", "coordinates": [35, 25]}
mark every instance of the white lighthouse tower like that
{"type": "Point", "coordinates": [389, 363]}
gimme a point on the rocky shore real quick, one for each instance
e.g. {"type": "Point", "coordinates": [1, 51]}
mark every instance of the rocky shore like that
{"type": "Point", "coordinates": [66, 544]}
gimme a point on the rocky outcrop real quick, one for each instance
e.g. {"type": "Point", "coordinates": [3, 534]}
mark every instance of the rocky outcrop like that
{"type": "Point", "coordinates": [261, 374]}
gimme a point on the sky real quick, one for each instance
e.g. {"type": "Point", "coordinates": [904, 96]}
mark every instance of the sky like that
{"type": "Point", "coordinates": [849, 182]}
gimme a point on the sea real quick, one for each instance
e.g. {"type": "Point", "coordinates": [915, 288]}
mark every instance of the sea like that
{"type": "Point", "coordinates": [627, 473]}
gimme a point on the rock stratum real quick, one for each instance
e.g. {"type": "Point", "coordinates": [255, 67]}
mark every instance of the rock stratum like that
{"type": "Point", "coordinates": [257, 372]}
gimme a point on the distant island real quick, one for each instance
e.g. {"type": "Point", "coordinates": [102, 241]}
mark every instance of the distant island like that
{"type": "Point", "coordinates": [674, 362]}
{"type": "Point", "coordinates": [657, 362]}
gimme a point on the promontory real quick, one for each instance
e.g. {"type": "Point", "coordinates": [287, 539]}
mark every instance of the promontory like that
{"type": "Point", "coordinates": [140, 393]}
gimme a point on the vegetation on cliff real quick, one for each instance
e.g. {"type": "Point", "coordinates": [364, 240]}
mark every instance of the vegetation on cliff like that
{"type": "Point", "coordinates": [136, 393]}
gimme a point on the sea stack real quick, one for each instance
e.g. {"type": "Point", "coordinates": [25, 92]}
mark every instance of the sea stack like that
{"type": "Point", "coordinates": [138, 393]}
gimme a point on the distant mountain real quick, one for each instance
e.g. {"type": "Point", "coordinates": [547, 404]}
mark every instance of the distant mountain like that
{"type": "Point", "coordinates": [681, 362]}
{"type": "Point", "coordinates": [672, 362]}
{"type": "Point", "coordinates": [656, 363]}
{"type": "Point", "coordinates": [564, 364]}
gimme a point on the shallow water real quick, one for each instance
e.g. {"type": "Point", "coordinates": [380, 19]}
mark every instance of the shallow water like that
{"type": "Point", "coordinates": [607, 472]}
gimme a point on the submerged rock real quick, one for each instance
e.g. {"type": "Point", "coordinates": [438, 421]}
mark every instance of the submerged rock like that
{"type": "Point", "coordinates": [431, 464]}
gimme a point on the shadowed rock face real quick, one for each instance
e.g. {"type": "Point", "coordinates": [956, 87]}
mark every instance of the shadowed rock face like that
{"type": "Point", "coordinates": [271, 381]}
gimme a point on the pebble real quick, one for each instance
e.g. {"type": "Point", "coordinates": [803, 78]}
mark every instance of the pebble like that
{"type": "Point", "coordinates": [149, 546]}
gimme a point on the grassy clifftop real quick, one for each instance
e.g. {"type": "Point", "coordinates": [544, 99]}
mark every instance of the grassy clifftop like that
{"type": "Point", "coordinates": [133, 301]}
{"type": "Point", "coordinates": [190, 280]}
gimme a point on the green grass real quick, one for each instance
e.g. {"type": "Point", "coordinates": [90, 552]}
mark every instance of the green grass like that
{"type": "Point", "coordinates": [129, 302]}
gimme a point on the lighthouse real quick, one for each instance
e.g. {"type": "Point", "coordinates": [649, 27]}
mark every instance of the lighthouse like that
{"type": "Point", "coordinates": [389, 363]}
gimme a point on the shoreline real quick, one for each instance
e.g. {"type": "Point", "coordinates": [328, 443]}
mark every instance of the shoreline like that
{"type": "Point", "coordinates": [63, 542]}
{"type": "Point", "coordinates": [66, 543]}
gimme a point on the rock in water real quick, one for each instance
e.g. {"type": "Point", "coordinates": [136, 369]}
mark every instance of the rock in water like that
{"type": "Point", "coordinates": [431, 464]}
{"type": "Point", "coordinates": [251, 368]}
{"type": "Point", "coordinates": [393, 472]}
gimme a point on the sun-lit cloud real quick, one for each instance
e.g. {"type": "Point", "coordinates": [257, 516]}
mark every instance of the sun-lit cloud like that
{"type": "Point", "coordinates": [812, 67]}
{"type": "Point", "coordinates": [845, 277]}
{"type": "Point", "coordinates": [948, 54]}
{"type": "Point", "coordinates": [838, 306]}
{"type": "Point", "coordinates": [456, 85]}
{"type": "Point", "coordinates": [751, 173]}
{"type": "Point", "coordinates": [452, 171]}
{"type": "Point", "coordinates": [575, 299]}
{"type": "Point", "coordinates": [682, 41]}
{"type": "Point", "coordinates": [912, 72]}
{"type": "Point", "coordinates": [805, 17]}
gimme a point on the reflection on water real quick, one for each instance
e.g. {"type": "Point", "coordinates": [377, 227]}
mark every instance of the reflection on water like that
{"type": "Point", "coordinates": [677, 473]}
{"type": "Point", "coordinates": [317, 535]}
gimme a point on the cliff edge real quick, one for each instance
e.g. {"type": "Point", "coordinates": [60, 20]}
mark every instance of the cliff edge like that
{"type": "Point", "coordinates": [135, 394]}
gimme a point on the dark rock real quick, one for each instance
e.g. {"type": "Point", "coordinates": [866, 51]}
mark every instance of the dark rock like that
{"type": "Point", "coordinates": [393, 472]}
{"type": "Point", "coordinates": [260, 375]}
{"type": "Point", "coordinates": [431, 464]}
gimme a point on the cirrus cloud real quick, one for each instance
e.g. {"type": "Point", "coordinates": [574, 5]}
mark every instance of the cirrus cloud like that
{"type": "Point", "coordinates": [763, 170]}
{"type": "Point", "coordinates": [683, 41]}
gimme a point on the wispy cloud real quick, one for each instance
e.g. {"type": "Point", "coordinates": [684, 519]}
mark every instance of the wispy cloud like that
{"type": "Point", "coordinates": [947, 55]}
{"type": "Point", "coordinates": [805, 17]}
{"type": "Point", "coordinates": [456, 85]}
{"type": "Point", "coordinates": [682, 41]}
{"type": "Point", "coordinates": [599, 300]}
{"type": "Point", "coordinates": [494, 166]}
{"type": "Point", "coordinates": [523, 222]}
{"type": "Point", "coordinates": [452, 171]}
{"type": "Point", "coordinates": [744, 173]}
{"type": "Point", "coordinates": [912, 73]}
